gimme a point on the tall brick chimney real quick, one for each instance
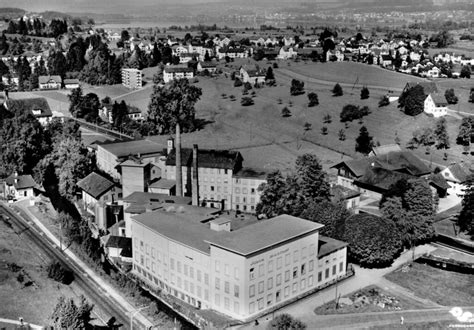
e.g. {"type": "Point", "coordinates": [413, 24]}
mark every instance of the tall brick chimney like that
{"type": "Point", "coordinates": [179, 175]}
{"type": "Point", "coordinates": [195, 180]}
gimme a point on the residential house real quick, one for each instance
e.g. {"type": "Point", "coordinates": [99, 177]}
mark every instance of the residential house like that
{"type": "Point", "coordinates": [433, 72]}
{"type": "Point", "coordinates": [436, 105]}
{"type": "Point", "coordinates": [37, 106]}
{"type": "Point", "coordinates": [99, 198]}
{"type": "Point", "coordinates": [350, 197]}
{"type": "Point", "coordinates": [11, 80]}
{"type": "Point", "coordinates": [335, 55]}
{"type": "Point", "coordinates": [186, 57]}
{"type": "Point", "coordinates": [252, 74]}
{"type": "Point", "coordinates": [211, 67]}
{"type": "Point", "coordinates": [19, 186]}
{"type": "Point", "coordinates": [456, 174]}
{"type": "Point", "coordinates": [49, 82]}
{"type": "Point", "coordinates": [174, 72]}
{"type": "Point", "coordinates": [222, 52]}
{"type": "Point", "coordinates": [71, 83]}
{"type": "Point", "coordinates": [118, 250]}
{"type": "Point", "coordinates": [386, 60]}
{"type": "Point", "coordinates": [286, 52]}
{"type": "Point", "coordinates": [428, 86]}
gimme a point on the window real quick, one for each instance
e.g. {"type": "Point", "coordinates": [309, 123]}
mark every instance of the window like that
{"type": "Point", "coordinates": [269, 299]}
{"type": "Point", "coordinates": [312, 250]}
{"type": "Point", "coordinates": [198, 291]}
{"type": "Point", "coordinates": [153, 252]}
{"type": "Point", "coordinates": [218, 283]}
{"type": "Point", "coordinates": [198, 274]}
{"type": "Point", "coordinates": [135, 242]}
{"type": "Point", "coordinates": [186, 285]}
{"type": "Point", "coordinates": [303, 284]}
{"type": "Point", "coordinates": [142, 260]}
{"type": "Point", "coordinates": [191, 272]}
{"type": "Point", "coordinates": [278, 280]}
{"type": "Point", "coordinates": [206, 295]}
{"type": "Point", "coordinates": [326, 275]}
{"type": "Point", "coordinates": [252, 191]}
{"type": "Point", "coordinates": [217, 268]}
{"type": "Point", "coordinates": [252, 307]}
{"type": "Point", "coordinates": [295, 287]}
{"type": "Point", "coordinates": [217, 299]}
{"type": "Point", "coordinates": [226, 269]}
{"type": "Point", "coordinates": [311, 265]}
{"type": "Point", "coordinates": [279, 262]}
{"type": "Point", "coordinates": [206, 278]}
{"type": "Point", "coordinates": [252, 273]}
{"type": "Point", "coordinates": [295, 256]}
{"type": "Point", "coordinates": [237, 190]}
{"type": "Point", "coordinates": [270, 266]}
{"type": "Point", "coordinates": [212, 187]}
{"type": "Point", "coordinates": [226, 287]}
{"type": "Point", "coordinates": [287, 291]}
{"type": "Point", "coordinates": [146, 249]}
{"type": "Point", "coordinates": [261, 270]}
{"type": "Point", "coordinates": [179, 266]}
{"type": "Point", "coordinates": [260, 303]}
{"type": "Point", "coordinates": [261, 286]}
{"type": "Point", "coordinates": [334, 270]}
{"type": "Point", "coordinates": [295, 272]}
{"type": "Point", "coordinates": [341, 266]}
{"type": "Point", "coordinates": [287, 259]}
{"type": "Point", "coordinates": [236, 291]}
{"type": "Point", "coordinates": [320, 276]}
{"type": "Point", "coordinates": [287, 276]}
{"type": "Point", "coordinates": [185, 270]}
{"type": "Point", "coordinates": [244, 191]}
{"type": "Point", "coordinates": [191, 287]}
{"type": "Point", "coordinates": [310, 280]}
{"type": "Point", "coordinates": [270, 283]}
{"type": "Point", "coordinates": [152, 266]}
{"type": "Point", "coordinates": [141, 246]}
{"type": "Point", "coordinates": [278, 295]}
{"type": "Point", "coordinates": [226, 303]}
{"type": "Point", "coordinates": [172, 264]}
{"type": "Point", "coordinates": [252, 290]}
{"type": "Point", "coordinates": [236, 273]}
{"type": "Point", "coordinates": [179, 282]}
{"type": "Point", "coordinates": [303, 269]}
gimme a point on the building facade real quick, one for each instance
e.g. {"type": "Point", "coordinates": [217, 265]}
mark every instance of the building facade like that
{"type": "Point", "coordinates": [132, 78]}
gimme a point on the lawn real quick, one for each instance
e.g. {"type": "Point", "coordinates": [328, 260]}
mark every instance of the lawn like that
{"type": "Point", "coordinates": [441, 286]}
{"type": "Point", "coordinates": [368, 300]}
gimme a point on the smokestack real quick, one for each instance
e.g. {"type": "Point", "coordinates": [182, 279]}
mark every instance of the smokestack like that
{"type": "Point", "coordinates": [195, 182]}
{"type": "Point", "coordinates": [179, 176]}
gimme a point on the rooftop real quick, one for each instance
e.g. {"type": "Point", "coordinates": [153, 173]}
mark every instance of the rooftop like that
{"type": "Point", "coordinates": [163, 184]}
{"type": "Point", "coordinates": [251, 173]}
{"type": "Point", "coordinates": [428, 86]}
{"type": "Point", "coordinates": [36, 103]}
{"type": "Point", "coordinates": [380, 178]}
{"type": "Point", "coordinates": [95, 185]}
{"type": "Point", "coordinates": [22, 181]}
{"type": "Point", "coordinates": [135, 147]}
{"type": "Point", "coordinates": [460, 171]}
{"type": "Point", "coordinates": [327, 245]}
{"type": "Point", "coordinates": [140, 202]}
{"type": "Point", "coordinates": [46, 79]}
{"type": "Point", "coordinates": [224, 159]}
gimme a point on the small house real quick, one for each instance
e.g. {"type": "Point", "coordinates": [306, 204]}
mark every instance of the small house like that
{"type": "Point", "coordinates": [71, 83]}
{"type": "Point", "coordinates": [49, 82]}
{"type": "Point", "coordinates": [19, 186]}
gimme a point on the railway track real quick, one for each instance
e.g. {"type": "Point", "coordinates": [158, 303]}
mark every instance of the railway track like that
{"type": "Point", "coordinates": [87, 285]}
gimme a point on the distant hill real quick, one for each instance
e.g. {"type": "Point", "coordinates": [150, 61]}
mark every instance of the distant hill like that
{"type": "Point", "coordinates": [10, 12]}
{"type": "Point", "coordinates": [49, 15]}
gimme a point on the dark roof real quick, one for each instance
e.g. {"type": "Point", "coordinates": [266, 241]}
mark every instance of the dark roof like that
{"type": "Point", "coordinates": [141, 202]}
{"type": "Point", "coordinates": [119, 242]}
{"type": "Point", "coordinates": [23, 181]}
{"type": "Point", "coordinates": [386, 58]}
{"type": "Point", "coordinates": [95, 185]}
{"type": "Point", "coordinates": [380, 179]}
{"type": "Point", "coordinates": [385, 149]}
{"type": "Point", "coordinates": [163, 184]}
{"type": "Point", "coordinates": [248, 172]}
{"type": "Point", "coordinates": [253, 71]}
{"type": "Point", "coordinates": [71, 81]}
{"type": "Point", "coordinates": [439, 99]}
{"type": "Point", "coordinates": [45, 79]}
{"type": "Point", "coordinates": [36, 103]}
{"type": "Point", "coordinates": [460, 171]}
{"type": "Point", "coordinates": [208, 64]}
{"type": "Point", "coordinates": [225, 159]}
{"type": "Point", "coordinates": [402, 161]}
{"type": "Point", "coordinates": [327, 245]}
{"type": "Point", "coordinates": [439, 181]}
{"type": "Point", "coordinates": [428, 86]}
{"type": "Point", "coordinates": [347, 193]}
{"type": "Point", "coordinates": [127, 251]}
{"type": "Point", "coordinates": [174, 69]}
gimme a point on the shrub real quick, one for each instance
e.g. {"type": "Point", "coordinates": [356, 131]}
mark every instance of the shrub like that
{"type": "Point", "coordinates": [384, 101]}
{"type": "Point", "coordinates": [313, 99]}
{"type": "Point", "coordinates": [297, 87]}
{"type": "Point", "coordinates": [286, 322]}
{"type": "Point", "coordinates": [285, 112]}
{"type": "Point", "coordinates": [60, 274]}
{"type": "Point", "coordinates": [238, 82]}
{"type": "Point", "coordinates": [337, 90]}
{"type": "Point", "coordinates": [351, 112]}
{"type": "Point", "coordinates": [364, 93]}
{"type": "Point", "coordinates": [451, 98]}
{"type": "Point", "coordinates": [246, 101]}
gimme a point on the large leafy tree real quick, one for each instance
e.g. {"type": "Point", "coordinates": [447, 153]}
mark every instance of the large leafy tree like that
{"type": "Point", "coordinates": [103, 67]}
{"type": "Point", "coordinates": [413, 100]}
{"type": "Point", "coordinates": [297, 87]}
{"type": "Point", "coordinates": [75, 56]}
{"type": "Point", "coordinates": [441, 133]}
{"type": "Point", "coordinates": [69, 315]}
{"type": "Point", "coordinates": [173, 104]}
{"type": "Point", "coordinates": [291, 194]}
{"type": "Point", "coordinates": [332, 215]}
{"type": "Point", "coordinates": [466, 131]}
{"type": "Point", "coordinates": [466, 216]}
{"type": "Point", "coordinates": [373, 241]}
{"type": "Point", "coordinates": [57, 64]}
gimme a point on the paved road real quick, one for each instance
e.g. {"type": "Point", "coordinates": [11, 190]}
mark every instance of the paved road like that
{"type": "Point", "coordinates": [97, 294]}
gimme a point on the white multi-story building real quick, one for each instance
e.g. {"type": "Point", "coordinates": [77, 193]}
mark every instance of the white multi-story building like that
{"type": "Point", "coordinates": [193, 254]}
{"type": "Point", "coordinates": [132, 78]}
{"type": "Point", "coordinates": [174, 72]}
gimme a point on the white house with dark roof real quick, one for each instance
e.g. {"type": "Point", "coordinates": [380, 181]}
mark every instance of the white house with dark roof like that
{"type": "Point", "coordinates": [174, 72]}
{"type": "Point", "coordinates": [37, 106]}
{"type": "Point", "coordinates": [19, 186]}
{"type": "Point", "coordinates": [456, 175]}
{"type": "Point", "coordinates": [435, 104]}
{"type": "Point", "coordinates": [242, 268]}
{"type": "Point", "coordinates": [49, 82]}
{"type": "Point", "coordinates": [252, 74]}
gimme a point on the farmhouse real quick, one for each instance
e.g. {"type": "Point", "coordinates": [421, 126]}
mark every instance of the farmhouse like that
{"type": "Point", "coordinates": [19, 186]}
{"type": "Point", "coordinates": [456, 174]}
{"type": "Point", "coordinates": [428, 87]}
{"type": "Point", "coordinates": [436, 105]}
{"type": "Point", "coordinates": [252, 74]}
{"type": "Point", "coordinates": [211, 67]}
{"type": "Point", "coordinates": [49, 82]}
{"type": "Point", "coordinates": [37, 106]}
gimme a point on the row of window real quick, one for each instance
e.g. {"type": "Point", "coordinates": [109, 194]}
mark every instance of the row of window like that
{"type": "Point", "coordinates": [189, 271]}
{"type": "Point", "coordinates": [245, 191]}
{"type": "Point", "coordinates": [217, 302]}
{"type": "Point", "coordinates": [226, 269]}
{"type": "Point", "coordinates": [217, 283]}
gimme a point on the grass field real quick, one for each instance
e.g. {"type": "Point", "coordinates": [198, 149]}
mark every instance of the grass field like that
{"type": "Point", "coordinates": [441, 286]}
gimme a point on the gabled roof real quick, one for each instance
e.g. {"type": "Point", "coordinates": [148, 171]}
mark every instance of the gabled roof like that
{"type": "Point", "coordinates": [95, 185]}
{"type": "Point", "coordinates": [251, 173]}
{"type": "Point", "coordinates": [22, 181]}
{"type": "Point", "coordinates": [327, 245]}
{"type": "Point", "coordinates": [71, 81]}
{"type": "Point", "coordinates": [439, 181]}
{"type": "Point", "coordinates": [135, 147]}
{"type": "Point", "coordinates": [428, 86]}
{"type": "Point", "coordinates": [438, 99]}
{"type": "Point", "coordinates": [119, 242]}
{"type": "Point", "coordinates": [177, 69]}
{"type": "Point", "coordinates": [46, 79]}
{"type": "Point", "coordinates": [385, 149]}
{"type": "Point", "coordinates": [460, 171]}
{"type": "Point", "coordinates": [36, 103]}
{"type": "Point", "coordinates": [253, 71]}
{"type": "Point", "coordinates": [224, 159]}
{"type": "Point", "coordinates": [380, 179]}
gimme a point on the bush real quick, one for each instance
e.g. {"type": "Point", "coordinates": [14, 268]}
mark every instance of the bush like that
{"type": "Point", "coordinates": [370, 245]}
{"type": "Point", "coordinates": [285, 112]}
{"type": "Point", "coordinates": [297, 87]}
{"type": "Point", "coordinates": [246, 101]}
{"type": "Point", "coordinates": [352, 112]}
{"type": "Point", "coordinates": [286, 322]}
{"type": "Point", "coordinates": [364, 93]}
{"type": "Point", "coordinates": [384, 101]}
{"type": "Point", "coordinates": [451, 98]}
{"type": "Point", "coordinates": [337, 90]}
{"type": "Point", "coordinates": [313, 99]}
{"type": "Point", "coordinates": [60, 274]}
{"type": "Point", "coordinates": [238, 82]}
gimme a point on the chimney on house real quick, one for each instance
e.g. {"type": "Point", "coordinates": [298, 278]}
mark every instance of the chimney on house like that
{"type": "Point", "coordinates": [170, 145]}
{"type": "Point", "coordinates": [195, 180]}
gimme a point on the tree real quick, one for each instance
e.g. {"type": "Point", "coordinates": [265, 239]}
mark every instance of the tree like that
{"type": "Point", "coordinates": [285, 112]}
{"type": "Point", "coordinates": [441, 133]}
{"type": "Point", "coordinates": [451, 98]}
{"type": "Point", "coordinates": [413, 100]}
{"type": "Point", "coordinates": [370, 245]}
{"type": "Point", "coordinates": [471, 96]}
{"type": "Point", "coordinates": [269, 74]}
{"type": "Point", "coordinates": [364, 142]}
{"type": "Point", "coordinates": [311, 178]}
{"type": "Point", "coordinates": [307, 126]}
{"type": "Point", "coordinates": [270, 200]}
{"type": "Point", "coordinates": [286, 322]}
{"type": "Point", "coordinates": [60, 274]}
{"type": "Point", "coordinates": [173, 104]}
{"type": "Point", "coordinates": [327, 118]}
{"type": "Point", "coordinates": [466, 131]}
{"type": "Point", "coordinates": [332, 215]}
{"type": "Point", "coordinates": [466, 216]}
{"type": "Point", "coordinates": [313, 99]}
{"type": "Point", "coordinates": [341, 134]}
{"type": "Point", "coordinates": [337, 90]}
{"type": "Point", "coordinates": [384, 101]}
{"type": "Point", "coordinates": [57, 64]}
{"type": "Point", "coordinates": [351, 112]}
{"type": "Point", "coordinates": [75, 56]}
{"type": "Point", "coordinates": [246, 101]}
{"type": "Point", "coordinates": [68, 315]}
{"type": "Point", "coordinates": [364, 93]}
{"type": "Point", "coordinates": [324, 130]}
{"type": "Point", "coordinates": [465, 72]}
{"type": "Point", "coordinates": [297, 87]}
